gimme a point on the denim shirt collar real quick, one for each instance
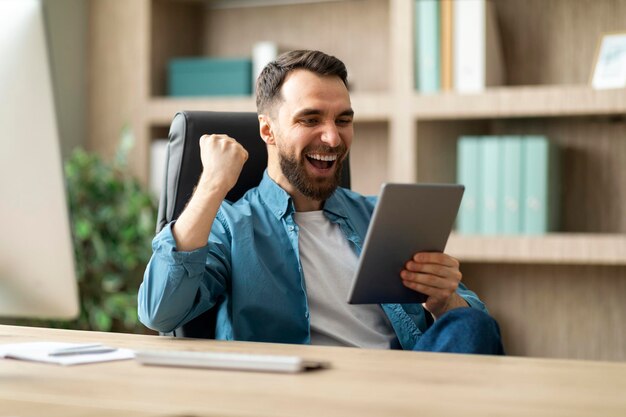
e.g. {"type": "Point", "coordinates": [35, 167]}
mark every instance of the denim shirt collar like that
{"type": "Point", "coordinates": [280, 203]}
{"type": "Point", "coordinates": [277, 200]}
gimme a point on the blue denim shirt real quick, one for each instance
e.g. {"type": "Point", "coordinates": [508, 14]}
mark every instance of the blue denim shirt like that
{"type": "Point", "coordinates": [251, 268]}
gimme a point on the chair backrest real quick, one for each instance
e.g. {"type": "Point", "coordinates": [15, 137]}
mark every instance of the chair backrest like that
{"type": "Point", "coordinates": [184, 166]}
{"type": "Point", "coordinates": [183, 169]}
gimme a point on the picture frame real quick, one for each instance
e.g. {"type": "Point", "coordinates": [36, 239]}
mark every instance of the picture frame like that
{"type": "Point", "coordinates": [609, 70]}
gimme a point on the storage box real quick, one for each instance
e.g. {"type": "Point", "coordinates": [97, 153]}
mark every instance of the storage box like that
{"type": "Point", "coordinates": [209, 77]}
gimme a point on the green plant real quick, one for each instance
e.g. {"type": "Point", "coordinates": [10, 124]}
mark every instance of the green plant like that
{"type": "Point", "coordinates": [113, 222]}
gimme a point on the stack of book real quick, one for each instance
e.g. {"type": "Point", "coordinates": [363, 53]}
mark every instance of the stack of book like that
{"type": "Point", "coordinates": [511, 185]}
{"type": "Point", "coordinates": [457, 46]}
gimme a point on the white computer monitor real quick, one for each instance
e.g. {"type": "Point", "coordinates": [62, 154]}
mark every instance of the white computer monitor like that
{"type": "Point", "coordinates": [37, 275]}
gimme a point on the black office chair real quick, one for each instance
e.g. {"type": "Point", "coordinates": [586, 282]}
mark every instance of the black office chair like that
{"type": "Point", "coordinates": [183, 169]}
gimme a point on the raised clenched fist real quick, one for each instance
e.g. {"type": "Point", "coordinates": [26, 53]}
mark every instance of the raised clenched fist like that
{"type": "Point", "coordinates": [222, 160]}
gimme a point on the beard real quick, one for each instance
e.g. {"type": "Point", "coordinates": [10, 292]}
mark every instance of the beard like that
{"type": "Point", "coordinates": [318, 189]}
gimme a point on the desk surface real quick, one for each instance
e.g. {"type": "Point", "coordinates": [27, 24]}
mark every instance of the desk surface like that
{"type": "Point", "coordinates": [360, 383]}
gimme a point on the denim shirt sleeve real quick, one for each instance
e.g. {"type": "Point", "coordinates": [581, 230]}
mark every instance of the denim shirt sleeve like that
{"type": "Point", "coordinates": [178, 286]}
{"type": "Point", "coordinates": [471, 298]}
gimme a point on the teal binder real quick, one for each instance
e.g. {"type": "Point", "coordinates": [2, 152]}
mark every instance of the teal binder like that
{"type": "Point", "coordinates": [210, 77]}
{"type": "Point", "coordinates": [468, 174]}
{"type": "Point", "coordinates": [541, 185]}
{"type": "Point", "coordinates": [511, 187]}
{"type": "Point", "coordinates": [427, 46]}
{"type": "Point", "coordinates": [490, 159]}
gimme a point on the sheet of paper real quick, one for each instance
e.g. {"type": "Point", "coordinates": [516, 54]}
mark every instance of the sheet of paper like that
{"type": "Point", "coordinates": [40, 352]}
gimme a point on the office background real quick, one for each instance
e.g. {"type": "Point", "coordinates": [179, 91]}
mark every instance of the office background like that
{"type": "Point", "coordinates": [67, 27]}
{"type": "Point", "coordinates": [555, 295]}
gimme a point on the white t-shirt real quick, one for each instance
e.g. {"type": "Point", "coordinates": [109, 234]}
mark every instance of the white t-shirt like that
{"type": "Point", "coordinates": [329, 263]}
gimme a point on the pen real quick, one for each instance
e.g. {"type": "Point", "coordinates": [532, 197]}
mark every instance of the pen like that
{"type": "Point", "coordinates": [81, 350]}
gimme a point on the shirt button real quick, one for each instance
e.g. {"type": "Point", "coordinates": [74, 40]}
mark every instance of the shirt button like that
{"type": "Point", "coordinates": [291, 228]}
{"type": "Point", "coordinates": [306, 314]}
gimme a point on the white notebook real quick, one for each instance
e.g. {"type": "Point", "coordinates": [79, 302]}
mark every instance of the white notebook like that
{"type": "Point", "coordinates": [58, 353]}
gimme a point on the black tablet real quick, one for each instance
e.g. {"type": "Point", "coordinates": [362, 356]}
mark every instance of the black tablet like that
{"type": "Point", "coordinates": [407, 219]}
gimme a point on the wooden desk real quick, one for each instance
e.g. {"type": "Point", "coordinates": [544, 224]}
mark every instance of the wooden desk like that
{"type": "Point", "coordinates": [361, 383]}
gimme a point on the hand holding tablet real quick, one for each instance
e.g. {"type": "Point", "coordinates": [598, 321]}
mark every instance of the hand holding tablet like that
{"type": "Point", "coordinates": [409, 218]}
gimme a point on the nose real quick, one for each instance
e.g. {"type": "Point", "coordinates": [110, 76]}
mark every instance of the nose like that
{"type": "Point", "coordinates": [330, 135]}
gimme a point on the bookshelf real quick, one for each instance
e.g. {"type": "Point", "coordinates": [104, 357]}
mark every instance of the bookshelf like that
{"type": "Point", "coordinates": [558, 295]}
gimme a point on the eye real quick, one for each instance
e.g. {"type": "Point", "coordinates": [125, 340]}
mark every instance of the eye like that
{"type": "Point", "coordinates": [344, 121]}
{"type": "Point", "coordinates": [309, 121]}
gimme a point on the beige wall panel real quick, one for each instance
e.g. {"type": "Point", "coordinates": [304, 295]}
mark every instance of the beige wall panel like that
{"type": "Point", "coordinates": [555, 311]}
{"type": "Point", "coordinates": [176, 31]}
{"type": "Point", "coordinates": [356, 31]}
{"type": "Point", "coordinates": [116, 60]}
{"type": "Point", "coordinates": [554, 41]}
{"type": "Point", "coordinates": [368, 157]}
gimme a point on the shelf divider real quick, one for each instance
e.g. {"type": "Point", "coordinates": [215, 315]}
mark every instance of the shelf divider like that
{"type": "Point", "coordinates": [368, 107]}
{"type": "Point", "coordinates": [530, 101]}
{"type": "Point", "coordinates": [556, 248]}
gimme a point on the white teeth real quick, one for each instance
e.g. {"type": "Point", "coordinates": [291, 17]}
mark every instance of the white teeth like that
{"type": "Point", "coordinates": [322, 157]}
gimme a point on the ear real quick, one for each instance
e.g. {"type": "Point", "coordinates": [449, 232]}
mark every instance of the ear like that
{"type": "Point", "coordinates": [265, 129]}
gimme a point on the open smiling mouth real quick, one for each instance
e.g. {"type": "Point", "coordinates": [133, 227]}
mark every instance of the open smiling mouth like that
{"type": "Point", "coordinates": [321, 161]}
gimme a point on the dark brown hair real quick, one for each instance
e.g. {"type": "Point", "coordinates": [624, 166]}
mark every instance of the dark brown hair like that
{"type": "Point", "coordinates": [273, 75]}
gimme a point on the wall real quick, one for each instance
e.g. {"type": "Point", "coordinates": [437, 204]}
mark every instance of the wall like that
{"type": "Point", "coordinates": [66, 22]}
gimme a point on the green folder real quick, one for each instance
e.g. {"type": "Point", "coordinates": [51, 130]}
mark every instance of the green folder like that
{"type": "Point", "coordinates": [541, 185]}
{"type": "Point", "coordinates": [427, 49]}
{"type": "Point", "coordinates": [511, 191]}
{"type": "Point", "coordinates": [490, 158]}
{"type": "Point", "coordinates": [209, 77]}
{"type": "Point", "coordinates": [468, 174]}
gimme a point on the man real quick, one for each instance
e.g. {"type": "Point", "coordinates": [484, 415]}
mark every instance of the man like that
{"type": "Point", "coordinates": [279, 261]}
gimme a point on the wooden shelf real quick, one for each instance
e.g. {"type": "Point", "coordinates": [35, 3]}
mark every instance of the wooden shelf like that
{"type": "Point", "coordinates": [234, 4]}
{"type": "Point", "coordinates": [558, 248]}
{"type": "Point", "coordinates": [369, 107]}
{"type": "Point", "coordinates": [532, 101]}
{"type": "Point", "coordinates": [161, 110]}
{"type": "Point", "coordinates": [401, 135]}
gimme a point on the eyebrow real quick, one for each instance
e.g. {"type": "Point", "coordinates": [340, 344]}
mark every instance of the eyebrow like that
{"type": "Point", "coordinates": [317, 112]}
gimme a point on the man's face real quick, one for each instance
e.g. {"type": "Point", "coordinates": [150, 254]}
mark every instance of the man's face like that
{"type": "Point", "coordinates": [313, 133]}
